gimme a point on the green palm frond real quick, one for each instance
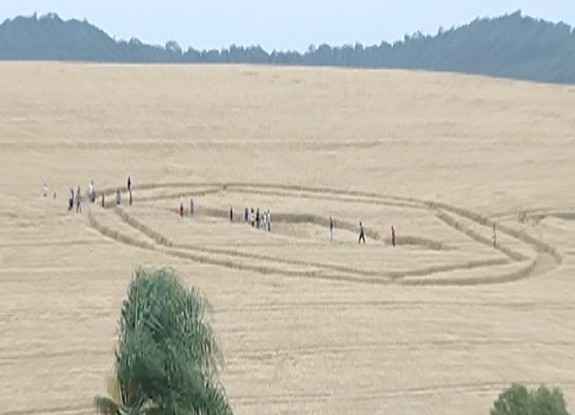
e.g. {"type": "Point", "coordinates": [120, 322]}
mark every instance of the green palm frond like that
{"type": "Point", "coordinates": [168, 356]}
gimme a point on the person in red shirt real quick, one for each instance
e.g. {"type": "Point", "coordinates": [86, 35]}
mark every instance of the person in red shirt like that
{"type": "Point", "coordinates": [182, 210]}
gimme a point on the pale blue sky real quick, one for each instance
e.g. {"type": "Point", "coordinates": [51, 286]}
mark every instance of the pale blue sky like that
{"type": "Point", "coordinates": [290, 24]}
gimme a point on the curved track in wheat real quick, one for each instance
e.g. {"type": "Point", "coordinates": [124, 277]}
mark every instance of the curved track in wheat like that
{"type": "Point", "coordinates": [541, 258]}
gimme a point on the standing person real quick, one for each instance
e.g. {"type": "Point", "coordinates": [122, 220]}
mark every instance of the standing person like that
{"type": "Point", "coordinates": [269, 221]}
{"type": "Point", "coordinates": [263, 224]}
{"type": "Point", "coordinates": [70, 199]}
{"type": "Point", "coordinates": [246, 215]}
{"type": "Point", "coordinates": [257, 217]}
{"type": "Point", "coordinates": [361, 233]}
{"type": "Point", "coordinates": [129, 184]}
{"type": "Point", "coordinates": [118, 197]}
{"type": "Point", "coordinates": [91, 193]}
{"type": "Point", "coordinates": [45, 190]}
{"type": "Point", "coordinates": [182, 210]}
{"type": "Point", "coordinates": [103, 200]}
{"type": "Point", "coordinates": [494, 236]}
{"type": "Point", "coordinates": [330, 229]}
{"type": "Point", "coordinates": [191, 206]}
{"type": "Point", "coordinates": [392, 235]}
{"type": "Point", "coordinates": [231, 215]}
{"type": "Point", "coordinates": [78, 197]}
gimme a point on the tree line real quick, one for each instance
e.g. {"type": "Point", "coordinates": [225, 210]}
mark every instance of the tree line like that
{"type": "Point", "coordinates": [511, 46]}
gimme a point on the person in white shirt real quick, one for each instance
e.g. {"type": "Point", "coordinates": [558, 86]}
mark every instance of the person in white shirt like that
{"type": "Point", "coordinates": [45, 190]}
{"type": "Point", "coordinates": [91, 192]}
{"type": "Point", "coordinates": [264, 220]}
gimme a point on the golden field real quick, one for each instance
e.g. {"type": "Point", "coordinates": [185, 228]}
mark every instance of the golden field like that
{"type": "Point", "coordinates": [438, 324]}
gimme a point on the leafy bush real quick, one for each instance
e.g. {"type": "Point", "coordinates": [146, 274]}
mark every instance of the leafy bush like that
{"type": "Point", "coordinates": [517, 400]}
{"type": "Point", "coordinates": [168, 356]}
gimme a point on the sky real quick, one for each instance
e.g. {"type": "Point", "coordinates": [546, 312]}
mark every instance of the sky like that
{"type": "Point", "coordinates": [281, 24]}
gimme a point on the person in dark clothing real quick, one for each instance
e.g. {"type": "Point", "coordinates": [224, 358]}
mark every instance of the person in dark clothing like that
{"type": "Point", "coordinates": [392, 235]}
{"type": "Point", "coordinates": [70, 199]}
{"type": "Point", "coordinates": [330, 228]}
{"type": "Point", "coordinates": [361, 234]}
{"type": "Point", "coordinates": [494, 237]}
{"type": "Point", "coordinates": [231, 215]}
{"type": "Point", "coordinates": [78, 201]}
{"type": "Point", "coordinates": [129, 184]}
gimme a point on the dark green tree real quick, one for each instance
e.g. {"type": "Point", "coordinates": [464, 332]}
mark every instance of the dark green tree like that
{"type": "Point", "coordinates": [168, 356]}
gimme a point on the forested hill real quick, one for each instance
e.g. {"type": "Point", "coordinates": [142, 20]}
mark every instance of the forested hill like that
{"type": "Point", "coordinates": [510, 46]}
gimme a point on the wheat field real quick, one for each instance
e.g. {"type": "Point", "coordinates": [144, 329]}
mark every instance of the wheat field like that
{"type": "Point", "coordinates": [438, 324]}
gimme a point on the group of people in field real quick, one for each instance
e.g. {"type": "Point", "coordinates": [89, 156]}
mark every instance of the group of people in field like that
{"type": "Point", "coordinates": [192, 210]}
{"type": "Point", "coordinates": [75, 197]}
{"type": "Point", "coordinates": [253, 217]}
{"type": "Point", "coordinates": [256, 219]}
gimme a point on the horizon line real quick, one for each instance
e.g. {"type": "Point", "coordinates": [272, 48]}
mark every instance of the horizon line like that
{"type": "Point", "coordinates": [439, 31]}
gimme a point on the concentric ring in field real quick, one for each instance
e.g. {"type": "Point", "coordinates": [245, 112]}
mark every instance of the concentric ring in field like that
{"type": "Point", "coordinates": [464, 256]}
